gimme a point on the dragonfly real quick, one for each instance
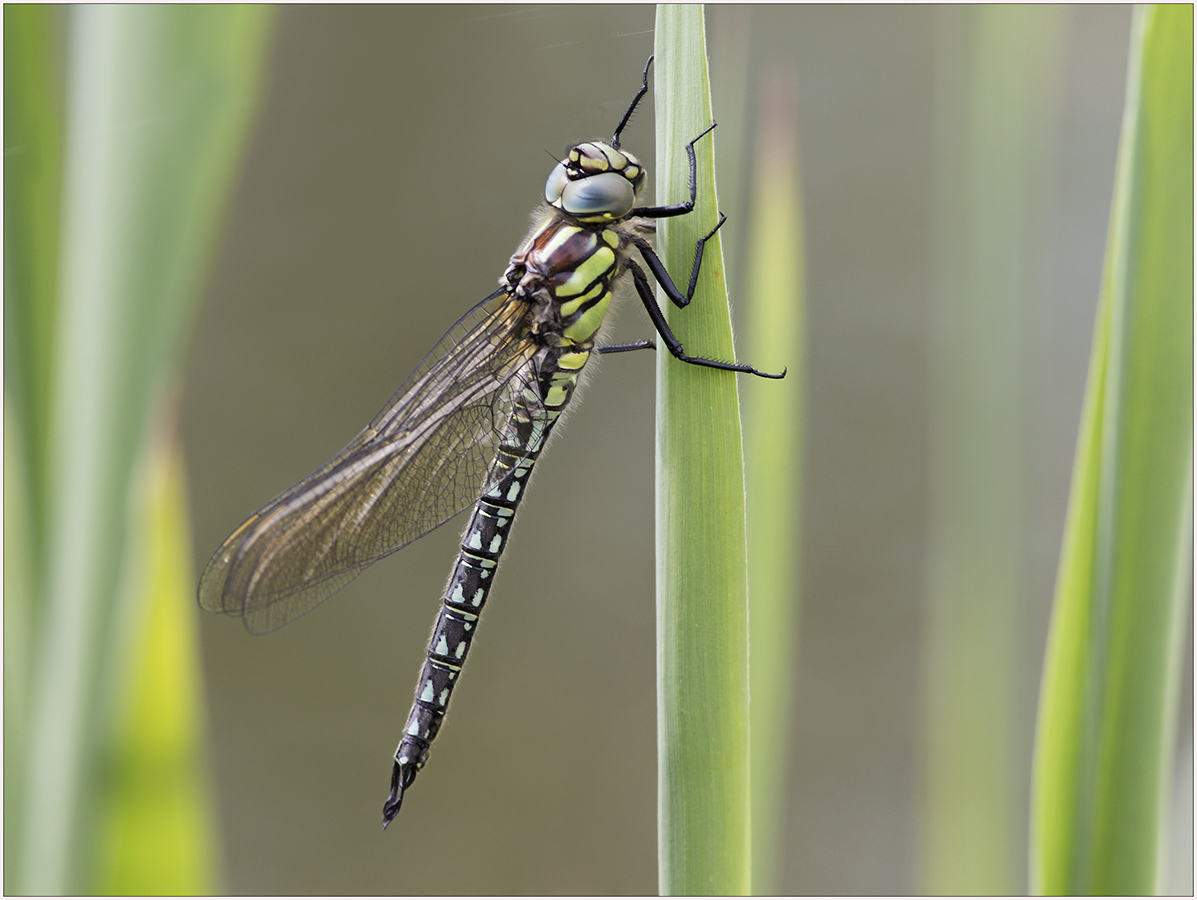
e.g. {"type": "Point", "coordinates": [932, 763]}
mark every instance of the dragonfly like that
{"type": "Point", "coordinates": [466, 428]}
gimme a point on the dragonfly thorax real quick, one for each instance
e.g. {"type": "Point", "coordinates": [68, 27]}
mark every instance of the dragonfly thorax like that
{"type": "Point", "coordinates": [595, 183]}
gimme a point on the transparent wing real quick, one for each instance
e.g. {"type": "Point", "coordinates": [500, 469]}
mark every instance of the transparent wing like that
{"type": "Point", "coordinates": [425, 457]}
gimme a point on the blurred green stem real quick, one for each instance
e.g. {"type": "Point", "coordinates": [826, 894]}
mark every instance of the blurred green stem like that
{"type": "Point", "coordinates": [156, 830]}
{"type": "Point", "coordinates": [33, 158]}
{"type": "Point", "coordinates": [158, 105]}
{"type": "Point", "coordinates": [776, 301]}
{"type": "Point", "coordinates": [1108, 704]}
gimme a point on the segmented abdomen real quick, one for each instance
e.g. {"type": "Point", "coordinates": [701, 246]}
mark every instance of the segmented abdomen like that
{"type": "Point", "coordinates": [552, 378]}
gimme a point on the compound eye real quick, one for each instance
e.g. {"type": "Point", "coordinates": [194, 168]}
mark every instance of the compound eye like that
{"type": "Point", "coordinates": [558, 179]}
{"type": "Point", "coordinates": [609, 196]}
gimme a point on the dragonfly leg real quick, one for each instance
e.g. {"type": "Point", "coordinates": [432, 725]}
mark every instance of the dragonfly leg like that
{"type": "Point", "coordinates": [678, 209]}
{"type": "Point", "coordinates": [699, 246]}
{"type": "Point", "coordinates": [649, 344]}
{"type": "Point", "coordinates": [632, 106]}
{"type": "Point", "coordinates": [662, 275]}
{"type": "Point", "coordinates": [644, 289]}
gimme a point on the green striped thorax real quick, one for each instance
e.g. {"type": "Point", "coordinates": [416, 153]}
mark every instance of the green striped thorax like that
{"type": "Point", "coordinates": [595, 183]}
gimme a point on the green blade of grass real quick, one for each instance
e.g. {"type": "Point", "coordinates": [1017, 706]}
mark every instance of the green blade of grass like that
{"type": "Point", "coordinates": [776, 302]}
{"type": "Point", "coordinates": [33, 134]}
{"type": "Point", "coordinates": [33, 149]}
{"type": "Point", "coordinates": [158, 100]}
{"type": "Point", "coordinates": [1108, 702]}
{"type": "Point", "coordinates": [731, 71]}
{"type": "Point", "coordinates": [156, 829]}
{"type": "Point", "coordinates": [702, 583]}
{"type": "Point", "coordinates": [19, 594]}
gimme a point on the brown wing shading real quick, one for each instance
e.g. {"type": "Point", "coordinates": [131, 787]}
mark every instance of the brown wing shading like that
{"type": "Point", "coordinates": [425, 457]}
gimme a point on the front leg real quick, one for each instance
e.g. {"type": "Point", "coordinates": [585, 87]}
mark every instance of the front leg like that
{"type": "Point", "coordinates": [644, 289]}
{"type": "Point", "coordinates": [662, 274]}
{"type": "Point", "coordinates": [677, 209]}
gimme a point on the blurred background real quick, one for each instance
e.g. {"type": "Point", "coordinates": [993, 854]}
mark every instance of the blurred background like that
{"type": "Point", "coordinates": [388, 178]}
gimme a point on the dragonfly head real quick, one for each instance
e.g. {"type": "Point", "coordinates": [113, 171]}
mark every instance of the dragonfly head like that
{"type": "Point", "coordinates": [595, 183]}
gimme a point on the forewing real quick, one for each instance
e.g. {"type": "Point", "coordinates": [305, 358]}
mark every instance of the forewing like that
{"type": "Point", "coordinates": [425, 457]}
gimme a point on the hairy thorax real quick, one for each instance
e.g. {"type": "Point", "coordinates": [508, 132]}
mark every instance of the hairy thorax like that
{"type": "Point", "coordinates": [567, 271]}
